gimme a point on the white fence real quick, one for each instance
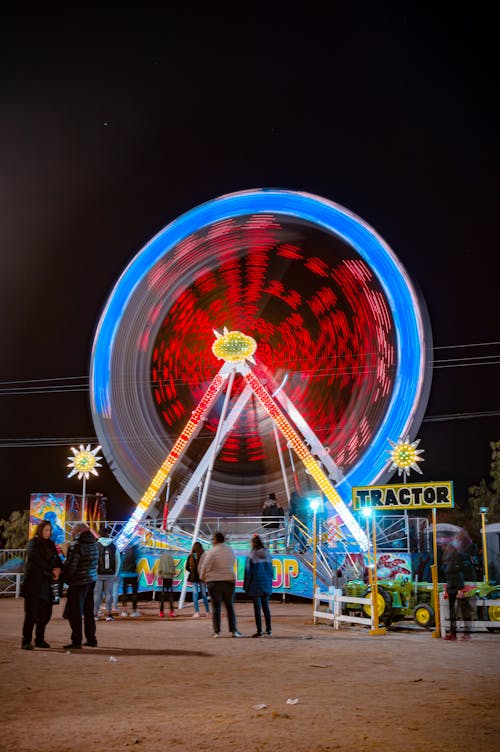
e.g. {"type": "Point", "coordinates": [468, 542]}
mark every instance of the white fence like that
{"type": "Point", "coordinates": [335, 599]}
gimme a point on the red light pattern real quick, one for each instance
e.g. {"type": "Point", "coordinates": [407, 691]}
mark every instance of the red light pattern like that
{"type": "Point", "coordinates": [317, 313]}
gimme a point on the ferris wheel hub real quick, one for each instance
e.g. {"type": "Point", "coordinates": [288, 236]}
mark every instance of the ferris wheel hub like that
{"type": "Point", "coordinates": [233, 347]}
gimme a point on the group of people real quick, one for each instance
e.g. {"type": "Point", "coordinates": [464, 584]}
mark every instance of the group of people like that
{"type": "Point", "coordinates": [43, 573]}
{"type": "Point", "coordinates": [92, 568]}
{"type": "Point", "coordinates": [216, 569]}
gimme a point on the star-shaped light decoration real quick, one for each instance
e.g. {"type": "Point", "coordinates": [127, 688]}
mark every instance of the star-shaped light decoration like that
{"type": "Point", "coordinates": [233, 347]}
{"type": "Point", "coordinates": [404, 456]}
{"type": "Point", "coordinates": [84, 461]}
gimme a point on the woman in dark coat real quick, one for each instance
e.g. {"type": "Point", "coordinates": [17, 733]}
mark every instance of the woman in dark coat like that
{"type": "Point", "coordinates": [258, 583]}
{"type": "Point", "coordinates": [43, 567]}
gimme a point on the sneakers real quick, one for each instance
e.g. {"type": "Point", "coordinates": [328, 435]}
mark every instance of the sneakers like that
{"type": "Point", "coordinates": [27, 646]}
{"type": "Point", "coordinates": [135, 613]}
{"type": "Point", "coordinates": [161, 614]}
{"type": "Point", "coordinates": [257, 634]}
{"type": "Point", "coordinates": [110, 618]}
{"type": "Point", "coordinates": [450, 637]}
{"type": "Point", "coordinates": [124, 613]}
{"type": "Point", "coordinates": [269, 633]}
{"type": "Point", "coordinates": [237, 634]}
{"type": "Point", "coordinates": [215, 634]}
{"type": "Point", "coordinates": [196, 615]}
{"type": "Point", "coordinates": [42, 644]}
{"type": "Point", "coordinates": [172, 613]}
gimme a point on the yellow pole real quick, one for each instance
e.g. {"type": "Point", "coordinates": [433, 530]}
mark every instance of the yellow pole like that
{"type": "Point", "coordinates": [368, 556]}
{"type": "Point", "coordinates": [376, 630]}
{"type": "Point", "coordinates": [434, 573]}
{"type": "Point", "coordinates": [314, 557]}
{"type": "Point", "coordinates": [486, 575]}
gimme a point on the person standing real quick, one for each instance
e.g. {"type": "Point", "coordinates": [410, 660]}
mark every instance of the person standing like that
{"type": "Point", "coordinates": [217, 570]}
{"type": "Point", "coordinates": [108, 566]}
{"type": "Point", "coordinates": [199, 587]}
{"type": "Point", "coordinates": [80, 572]}
{"type": "Point", "coordinates": [167, 572]}
{"type": "Point", "coordinates": [455, 581]}
{"type": "Point", "coordinates": [130, 578]}
{"type": "Point", "coordinates": [267, 512]}
{"type": "Point", "coordinates": [276, 513]}
{"type": "Point", "coordinates": [42, 570]}
{"type": "Point", "coordinates": [258, 583]}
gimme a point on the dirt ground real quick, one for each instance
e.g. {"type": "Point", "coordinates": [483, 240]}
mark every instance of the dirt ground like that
{"type": "Point", "coordinates": [167, 684]}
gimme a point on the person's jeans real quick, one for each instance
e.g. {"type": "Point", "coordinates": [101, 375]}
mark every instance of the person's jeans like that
{"type": "Point", "coordinates": [199, 588]}
{"type": "Point", "coordinates": [222, 591]}
{"type": "Point", "coordinates": [104, 584]}
{"type": "Point", "coordinates": [81, 604]}
{"type": "Point", "coordinates": [131, 582]}
{"type": "Point", "coordinates": [166, 587]}
{"type": "Point", "coordinates": [465, 610]}
{"type": "Point", "coordinates": [37, 613]}
{"type": "Point", "coordinates": [261, 601]}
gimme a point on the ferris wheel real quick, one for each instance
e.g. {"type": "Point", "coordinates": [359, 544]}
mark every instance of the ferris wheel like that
{"type": "Point", "coordinates": [342, 336]}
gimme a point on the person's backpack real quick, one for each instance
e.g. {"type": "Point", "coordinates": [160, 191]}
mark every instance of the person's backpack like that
{"type": "Point", "coordinates": [107, 559]}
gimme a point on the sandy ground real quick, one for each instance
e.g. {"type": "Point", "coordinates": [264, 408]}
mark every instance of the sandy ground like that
{"type": "Point", "coordinates": [174, 687]}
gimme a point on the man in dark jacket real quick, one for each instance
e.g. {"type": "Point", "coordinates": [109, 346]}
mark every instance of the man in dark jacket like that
{"type": "Point", "coordinates": [80, 572]}
{"type": "Point", "coordinates": [455, 582]}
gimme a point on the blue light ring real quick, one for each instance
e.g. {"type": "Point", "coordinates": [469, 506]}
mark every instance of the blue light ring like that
{"type": "Point", "coordinates": [402, 299]}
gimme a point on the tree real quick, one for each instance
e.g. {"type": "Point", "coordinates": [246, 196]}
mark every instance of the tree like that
{"type": "Point", "coordinates": [487, 493]}
{"type": "Point", "coordinates": [15, 530]}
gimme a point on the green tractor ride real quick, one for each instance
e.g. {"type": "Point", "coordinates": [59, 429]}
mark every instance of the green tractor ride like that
{"type": "Point", "coordinates": [396, 600]}
{"type": "Point", "coordinates": [402, 598]}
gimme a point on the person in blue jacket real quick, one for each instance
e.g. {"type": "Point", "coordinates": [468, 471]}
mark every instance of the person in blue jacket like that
{"type": "Point", "coordinates": [258, 583]}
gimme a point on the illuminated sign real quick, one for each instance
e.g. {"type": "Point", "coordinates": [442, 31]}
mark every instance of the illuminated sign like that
{"type": "Point", "coordinates": [408, 496]}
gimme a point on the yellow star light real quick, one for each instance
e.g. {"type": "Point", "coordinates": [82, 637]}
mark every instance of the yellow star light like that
{"type": "Point", "coordinates": [233, 347]}
{"type": "Point", "coordinates": [84, 461]}
{"type": "Point", "coordinates": [404, 456]}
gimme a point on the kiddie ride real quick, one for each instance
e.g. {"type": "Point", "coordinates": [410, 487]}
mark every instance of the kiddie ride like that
{"type": "Point", "coordinates": [403, 598]}
{"type": "Point", "coordinates": [397, 599]}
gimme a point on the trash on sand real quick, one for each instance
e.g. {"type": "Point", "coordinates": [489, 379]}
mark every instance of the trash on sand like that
{"type": "Point", "coordinates": [260, 707]}
{"type": "Point", "coordinates": [112, 659]}
{"type": "Point", "coordinates": [292, 702]}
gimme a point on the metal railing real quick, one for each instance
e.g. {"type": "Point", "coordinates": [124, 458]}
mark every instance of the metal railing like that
{"type": "Point", "coordinates": [11, 559]}
{"type": "Point", "coordinates": [10, 583]}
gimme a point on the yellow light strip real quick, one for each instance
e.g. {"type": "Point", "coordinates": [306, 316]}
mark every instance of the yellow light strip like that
{"type": "Point", "coordinates": [307, 459]}
{"type": "Point", "coordinates": [173, 457]}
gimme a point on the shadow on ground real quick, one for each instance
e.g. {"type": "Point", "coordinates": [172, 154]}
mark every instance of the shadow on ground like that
{"type": "Point", "coordinates": [128, 651]}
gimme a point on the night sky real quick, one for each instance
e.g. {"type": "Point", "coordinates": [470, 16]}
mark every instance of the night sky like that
{"type": "Point", "coordinates": [114, 121]}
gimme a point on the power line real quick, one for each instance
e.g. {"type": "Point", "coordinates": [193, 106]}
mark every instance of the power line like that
{"type": "Point", "coordinates": [67, 441]}
{"type": "Point", "coordinates": [493, 360]}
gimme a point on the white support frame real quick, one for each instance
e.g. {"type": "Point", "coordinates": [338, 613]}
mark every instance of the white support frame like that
{"type": "Point", "coordinates": [202, 467]}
